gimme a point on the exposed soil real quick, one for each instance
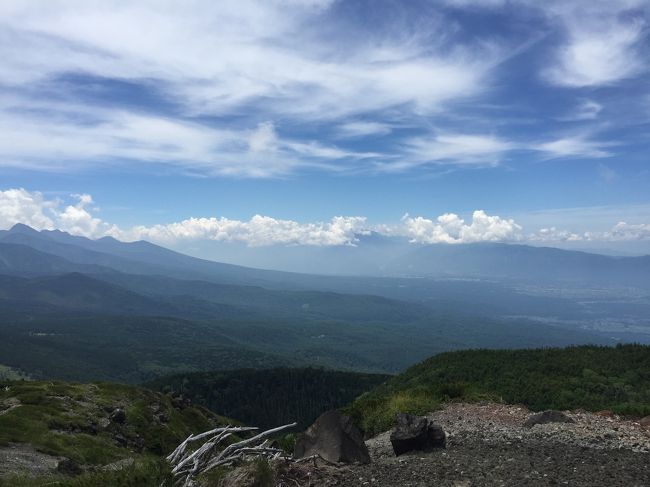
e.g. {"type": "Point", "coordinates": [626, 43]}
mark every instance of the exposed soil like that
{"type": "Point", "coordinates": [488, 445]}
{"type": "Point", "coordinates": [9, 405]}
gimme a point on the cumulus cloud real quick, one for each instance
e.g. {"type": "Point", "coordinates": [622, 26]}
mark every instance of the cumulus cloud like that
{"type": "Point", "coordinates": [627, 231]}
{"type": "Point", "coordinates": [77, 219]}
{"type": "Point", "coordinates": [34, 209]}
{"type": "Point", "coordinates": [79, 216]}
{"type": "Point", "coordinates": [259, 230]}
{"type": "Point", "coordinates": [29, 208]}
{"type": "Point", "coordinates": [450, 228]}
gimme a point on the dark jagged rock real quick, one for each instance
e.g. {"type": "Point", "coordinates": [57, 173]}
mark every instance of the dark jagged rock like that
{"type": "Point", "coordinates": [118, 416]}
{"type": "Point", "coordinates": [335, 438]}
{"type": "Point", "coordinates": [550, 416]}
{"type": "Point", "coordinates": [416, 433]}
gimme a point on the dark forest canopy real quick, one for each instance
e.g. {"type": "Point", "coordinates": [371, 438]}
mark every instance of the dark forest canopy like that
{"type": "Point", "coordinates": [588, 377]}
{"type": "Point", "coordinates": [267, 398]}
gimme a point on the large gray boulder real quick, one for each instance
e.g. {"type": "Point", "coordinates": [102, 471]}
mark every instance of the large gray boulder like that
{"type": "Point", "coordinates": [550, 416]}
{"type": "Point", "coordinates": [416, 433]}
{"type": "Point", "coordinates": [335, 438]}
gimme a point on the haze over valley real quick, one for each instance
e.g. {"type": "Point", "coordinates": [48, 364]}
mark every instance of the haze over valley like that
{"type": "Point", "coordinates": [315, 243]}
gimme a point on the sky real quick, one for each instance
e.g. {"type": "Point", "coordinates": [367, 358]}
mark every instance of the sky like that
{"type": "Point", "coordinates": [311, 122]}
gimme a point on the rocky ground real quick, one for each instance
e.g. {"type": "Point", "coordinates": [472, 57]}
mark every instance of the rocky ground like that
{"type": "Point", "coordinates": [488, 445]}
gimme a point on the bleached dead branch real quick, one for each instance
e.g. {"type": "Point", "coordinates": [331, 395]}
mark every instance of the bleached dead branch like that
{"type": "Point", "coordinates": [188, 463]}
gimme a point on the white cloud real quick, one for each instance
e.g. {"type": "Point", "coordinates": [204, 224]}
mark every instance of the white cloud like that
{"type": "Point", "coordinates": [259, 230]}
{"type": "Point", "coordinates": [573, 146]}
{"type": "Point", "coordinates": [33, 209]}
{"type": "Point", "coordinates": [552, 234]}
{"type": "Point", "coordinates": [621, 232]}
{"type": "Point", "coordinates": [29, 208]}
{"type": "Point", "coordinates": [215, 56]}
{"type": "Point", "coordinates": [78, 220]}
{"type": "Point", "coordinates": [263, 139]}
{"type": "Point", "coordinates": [457, 149]}
{"type": "Point", "coordinates": [450, 228]}
{"type": "Point", "coordinates": [239, 75]}
{"type": "Point", "coordinates": [114, 136]}
{"type": "Point", "coordinates": [601, 46]}
{"type": "Point", "coordinates": [79, 217]}
{"type": "Point", "coordinates": [481, 150]}
{"type": "Point", "coordinates": [602, 40]}
{"type": "Point", "coordinates": [627, 231]}
{"type": "Point", "coordinates": [362, 129]}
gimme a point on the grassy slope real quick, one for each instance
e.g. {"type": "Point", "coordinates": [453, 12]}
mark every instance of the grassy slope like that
{"type": "Point", "coordinates": [65, 420]}
{"type": "Point", "coordinates": [589, 377]}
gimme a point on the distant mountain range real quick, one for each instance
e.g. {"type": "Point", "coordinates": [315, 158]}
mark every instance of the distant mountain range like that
{"type": "Point", "coordinates": [84, 309]}
{"type": "Point", "coordinates": [385, 256]}
{"type": "Point", "coordinates": [375, 256]}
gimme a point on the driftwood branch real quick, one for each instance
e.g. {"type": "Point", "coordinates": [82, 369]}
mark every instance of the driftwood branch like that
{"type": "Point", "coordinates": [187, 462]}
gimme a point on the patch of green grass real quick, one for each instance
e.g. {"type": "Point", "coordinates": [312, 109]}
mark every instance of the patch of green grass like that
{"type": "Point", "coordinates": [379, 415]}
{"type": "Point", "coordinates": [148, 472]}
{"type": "Point", "coordinates": [72, 421]}
{"type": "Point", "coordinates": [262, 473]}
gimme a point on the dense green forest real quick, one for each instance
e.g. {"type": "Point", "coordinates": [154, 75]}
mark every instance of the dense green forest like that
{"type": "Point", "coordinates": [134, 349]}
{"type": "Point", "coordinates": [589, 377]}
{"type": "Point", "coordinates": [268, 398]}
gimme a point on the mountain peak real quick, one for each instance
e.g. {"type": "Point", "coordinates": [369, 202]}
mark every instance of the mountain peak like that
{"type": "Point", "coordinates": [22, 228]}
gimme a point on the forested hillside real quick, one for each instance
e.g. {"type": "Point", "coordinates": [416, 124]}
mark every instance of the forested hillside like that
{"type": "Point", "coordinates": [267, 398]}
{"type": "Point", "coordinates": [589, 377]}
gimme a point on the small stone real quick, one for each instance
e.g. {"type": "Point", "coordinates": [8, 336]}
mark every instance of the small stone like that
{"type": "Point", "coordinates": [550, 416]}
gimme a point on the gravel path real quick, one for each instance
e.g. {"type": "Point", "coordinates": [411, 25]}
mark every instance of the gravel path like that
{"type": "Point", "coordinates": [489, 446]}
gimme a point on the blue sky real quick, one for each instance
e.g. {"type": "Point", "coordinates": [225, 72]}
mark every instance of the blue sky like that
{"type": "Point", "coordinates": [182, 121]}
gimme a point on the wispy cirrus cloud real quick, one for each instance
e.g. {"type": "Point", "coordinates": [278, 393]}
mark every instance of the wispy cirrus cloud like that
{"type": "Point", "coordinates": [602, 43]}
{"type": "Point", "coordinates": [487, 150]}
{"type": "Point", "coordinates": [573, 146]}
{"type": "Point", "coordinates": [252, 61]}
{"type": "Point", "coordinates": [354, 129]}
{"type": "Point", "coordinates": [267, 89]}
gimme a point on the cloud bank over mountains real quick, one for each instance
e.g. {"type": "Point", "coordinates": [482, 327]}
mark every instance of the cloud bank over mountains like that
{"type": "Point", "coordinates": [78, 217]}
